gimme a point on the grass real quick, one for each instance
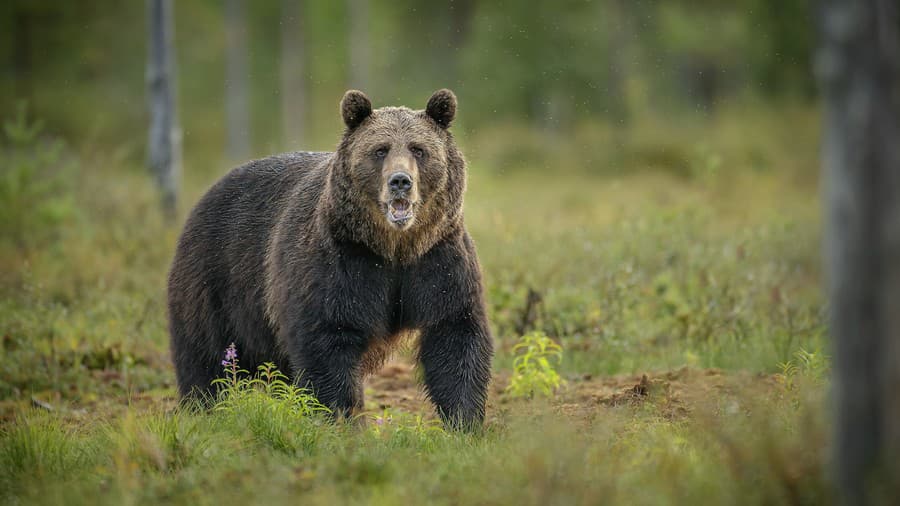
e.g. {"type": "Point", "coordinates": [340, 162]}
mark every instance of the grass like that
{"type": "Point", "coordinates": [630, 454]}
{"type": "Point", "coordinates": [687, 303]}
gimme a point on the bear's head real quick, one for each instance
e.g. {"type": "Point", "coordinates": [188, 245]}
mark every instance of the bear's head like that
{"type": "Point", "coordinates": [399, 171]}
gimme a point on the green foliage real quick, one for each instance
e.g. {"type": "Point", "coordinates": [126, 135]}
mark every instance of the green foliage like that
{"type": "Point", "coordinates": [533, 371]}
{"type": "Point", "coordinates": [805, 366]}
{"type": "Point", "coordinates": [34, 183]}
{"type": "Point", "coordinates": [404, 427]}
{"type": "Point", "coordinates": [269, 405]}
{"type": "Point", "coordinates": [163, 442]}
{"type": "Point", "coordinates": [629, 283]}
{"type": "Point", "coordinates": [627, 455]}
{"type": "Point", "coordinates": [39, 447]}
{"type": "Point", "coordinates": [270, 388]}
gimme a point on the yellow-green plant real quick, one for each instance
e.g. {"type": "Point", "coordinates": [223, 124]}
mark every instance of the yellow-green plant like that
{"type": "Point", "coordinates": [401, 424]}
{"type": "Point", "coordinates": [533, 370]}
{"type": "Point", "coordinates": [808, 364]}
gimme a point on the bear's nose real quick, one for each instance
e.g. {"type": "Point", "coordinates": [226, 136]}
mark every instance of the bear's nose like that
{"type": "Point", "coordinates": [399, 181]}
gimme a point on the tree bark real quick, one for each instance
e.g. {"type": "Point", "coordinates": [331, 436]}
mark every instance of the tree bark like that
{"type": "Point", "coordinates": [460, 19]}
{"type": "Point", "coordinates": [358, 14]}
{"type": "Point", "coordinates": [617, 21]}
{"type": "Point", "coordinates": [293, 82]}
{"type": "Point", "coordinates": [857, 67]}
{"type": "Point", "coordinates": [164, 142]}
{"type": "Point", "coordinates": [237, 106]}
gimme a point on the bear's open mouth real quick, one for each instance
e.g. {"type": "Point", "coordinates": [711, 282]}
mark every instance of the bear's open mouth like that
{"type": "Point", "coordinates": [400, 211]}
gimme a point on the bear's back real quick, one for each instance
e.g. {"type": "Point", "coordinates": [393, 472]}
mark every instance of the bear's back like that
{"type": "Point", "coordinates": [219, 259]}
{"type": "Point", "coordinates": [236, 214]}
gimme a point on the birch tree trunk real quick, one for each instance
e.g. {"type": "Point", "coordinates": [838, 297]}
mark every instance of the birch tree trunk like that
{"type": "Point", "coordinates": [857, 67]}
{"type": "Point", "coordinates": [293, 82]}
{"type": "Point", "coordinates": [237, 107]}
{"type": "Point", "coordinates": [164, 142]}
{"type": "Point", "coordinates": [358, 14]}
{"type": "Point", "coordinates": [617, 53]}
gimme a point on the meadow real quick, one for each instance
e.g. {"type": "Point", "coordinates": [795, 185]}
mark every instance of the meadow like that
{"type": "Point", "coordinates": [676, 264]}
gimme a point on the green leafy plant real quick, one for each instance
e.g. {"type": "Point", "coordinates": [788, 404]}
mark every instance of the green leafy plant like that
{"type": "Point", "coordinates": [807, 364]}
{"type": "Point", "coordinates": [269, 387]}
{"type": "Point", "coordinates": [533, 370]}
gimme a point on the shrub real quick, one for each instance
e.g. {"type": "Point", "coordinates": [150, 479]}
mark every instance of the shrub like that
{"type": "Point", "coordinates": [268, 386]}
{"type": "Point", "coordinates": [269, 406]}
{"type": "Point", "coordinates": [35, 185]}
{"type": "Point", "coordinates": [533, 372]}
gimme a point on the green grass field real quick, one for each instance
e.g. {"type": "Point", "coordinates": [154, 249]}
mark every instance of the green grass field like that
{"type": "Point", "coordinates": [682, 281]}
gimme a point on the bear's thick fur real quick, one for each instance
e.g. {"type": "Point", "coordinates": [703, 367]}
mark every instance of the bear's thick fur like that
{"type": "Point", "coordinates": [319, 261]}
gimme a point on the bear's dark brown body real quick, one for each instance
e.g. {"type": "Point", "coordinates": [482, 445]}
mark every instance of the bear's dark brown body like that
{"type": "Point", "coordinates": [318, 261]}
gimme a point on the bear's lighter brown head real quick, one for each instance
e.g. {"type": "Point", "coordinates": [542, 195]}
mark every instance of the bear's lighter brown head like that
{"type": "Point", "coordinates": [399, 172]}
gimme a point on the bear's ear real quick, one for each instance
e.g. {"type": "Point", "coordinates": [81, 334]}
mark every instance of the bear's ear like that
{"type": "Point", "coordinates": [442, 107]}
{"type": "Point", "coordinates": [355, 107]}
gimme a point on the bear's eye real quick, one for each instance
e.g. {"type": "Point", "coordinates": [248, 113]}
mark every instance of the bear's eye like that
{"type": "Point", "coordinates": [417, 152]}
{"type": "Point", "coordinates": [381, 152]}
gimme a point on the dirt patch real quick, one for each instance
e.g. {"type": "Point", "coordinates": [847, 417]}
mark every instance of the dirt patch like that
{"type": "Point", "coordinates": [395, 387]}
{"type": "Point", "coordinates": [672, 393]}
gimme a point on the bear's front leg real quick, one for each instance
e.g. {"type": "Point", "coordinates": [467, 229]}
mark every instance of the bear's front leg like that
{"type": "Point", "coordinates": [455, 355]}
{"type": "Point", "coordinates": [328, 363]}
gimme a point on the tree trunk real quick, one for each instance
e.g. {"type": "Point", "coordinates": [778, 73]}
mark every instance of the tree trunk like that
{"type": "Point", "coordinates": [22, 56]}
{"type": "Point", "coordinates": [164, 143]}
{"type": "Point", "coordinates": [237, 107]}
{"type": "Point", "coordinates": [293, 82]}
{"type": "Point", "coordinates": [358, 13]}
{"type": "Point", "coordinates": [460, 18]}
{"type": "Point", "coordinates": [617, 21]}
{"type": "Point", "coordinates": [857, 66]}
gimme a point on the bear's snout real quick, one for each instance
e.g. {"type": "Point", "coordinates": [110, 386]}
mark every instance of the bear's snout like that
{"type": "Point", "coordinates": [400, 191]}
{"type": "Point", "coordinates": [399, 182]}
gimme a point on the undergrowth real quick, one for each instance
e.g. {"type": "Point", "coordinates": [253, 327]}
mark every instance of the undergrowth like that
{"type": "Point", "coordinates": [730, 450]}
{"type": "Point", "coordinates": [269, 388]}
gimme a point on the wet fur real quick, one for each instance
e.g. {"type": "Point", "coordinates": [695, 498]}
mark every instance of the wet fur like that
{"type": "Point", "coordinates": [291, 258]}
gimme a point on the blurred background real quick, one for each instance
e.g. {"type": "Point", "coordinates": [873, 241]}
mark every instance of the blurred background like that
{"type": "Point", "coordinates": [602, 85]}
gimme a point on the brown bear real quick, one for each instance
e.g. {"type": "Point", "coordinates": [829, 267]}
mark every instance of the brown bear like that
{"type": "Point", "coordinates": [318, 261]}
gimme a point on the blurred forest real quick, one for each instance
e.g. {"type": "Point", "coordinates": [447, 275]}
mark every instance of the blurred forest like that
{"type": "Point", "coordinates": [530, 77]}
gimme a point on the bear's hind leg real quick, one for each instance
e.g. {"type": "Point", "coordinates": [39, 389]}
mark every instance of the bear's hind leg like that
{"type": "Point", "coordinates": [195, 377]}
{"type": "Point", "coordinates": [330, 364]}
